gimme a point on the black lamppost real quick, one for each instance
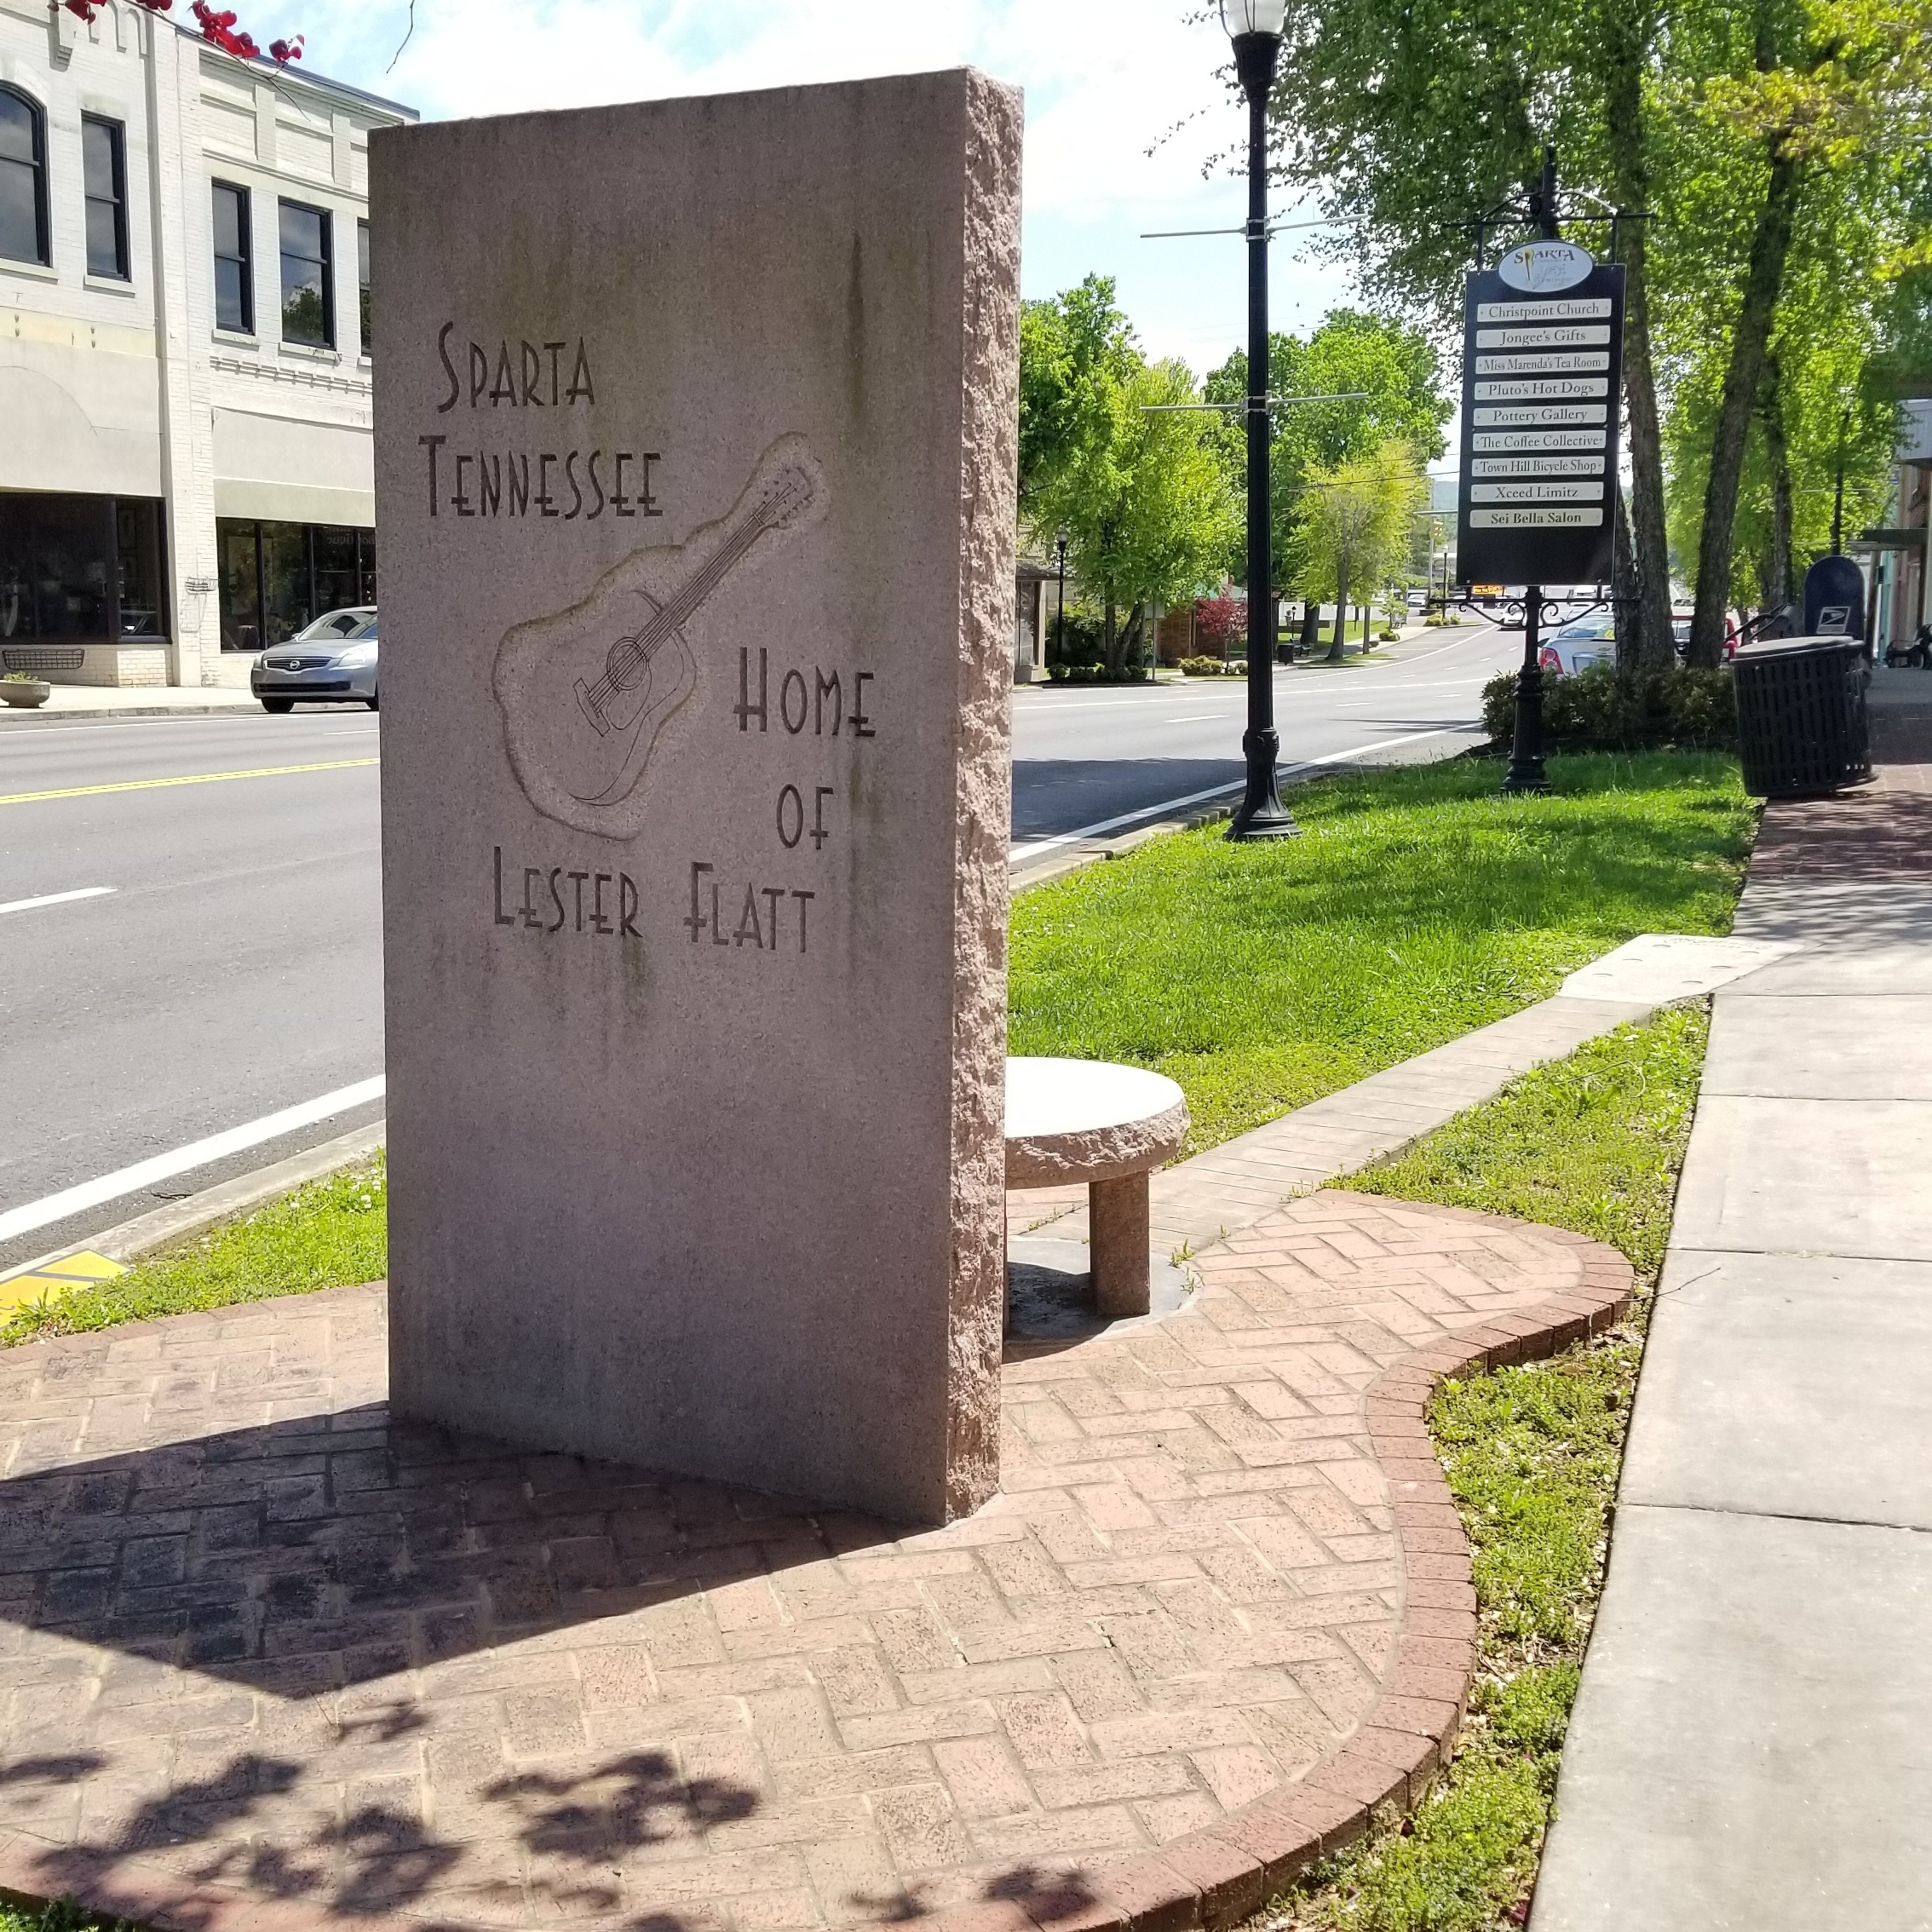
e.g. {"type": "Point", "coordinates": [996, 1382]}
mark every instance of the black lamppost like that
{"type": "Point", "coordinates": [1060, 608]}
{"type": "Point", "coordinates": [1255, 26]}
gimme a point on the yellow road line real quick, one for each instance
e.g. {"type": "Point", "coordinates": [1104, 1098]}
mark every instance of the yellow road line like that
{"type": "Point", "coordinates": [198, 778]}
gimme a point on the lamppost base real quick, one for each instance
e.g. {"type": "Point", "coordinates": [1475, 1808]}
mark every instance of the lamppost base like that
{"type": "Point", "coordinates": [1530, 783]}
{"type": "Point", "coordinates": [1277, 825]}
{"type": "Point", "coordinates": [1265, 817]}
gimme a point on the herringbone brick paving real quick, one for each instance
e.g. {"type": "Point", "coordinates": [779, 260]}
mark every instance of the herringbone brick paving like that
{"type": "Point", "coordinates": [260, 1644]}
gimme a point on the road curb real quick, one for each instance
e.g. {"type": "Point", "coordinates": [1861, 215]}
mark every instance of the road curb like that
{"type": "Point", "coordinates": [1098, 851]}
{"type": "Point", "coordinates": [181, 1221]}
{"type": "Point", "coordinates": [28, 720]}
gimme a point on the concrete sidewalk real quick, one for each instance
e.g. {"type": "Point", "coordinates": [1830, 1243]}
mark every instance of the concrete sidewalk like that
{"type": "Point", "coordinates": [73, 702]}
{"type": "Point", "coordinates": [1230, 1186]}
{"type": "Point", "coordinates": [1752, 1745]}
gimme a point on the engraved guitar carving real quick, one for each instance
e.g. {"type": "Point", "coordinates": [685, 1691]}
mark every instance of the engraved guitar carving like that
{"type": "Point", "coordinates": [585, 694]}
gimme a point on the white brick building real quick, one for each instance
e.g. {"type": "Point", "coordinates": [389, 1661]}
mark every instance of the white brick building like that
{"type": "Point", "coordinates": [186, 468]}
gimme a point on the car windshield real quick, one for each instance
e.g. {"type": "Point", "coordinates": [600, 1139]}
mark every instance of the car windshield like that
{"type": "Point", "coordinates": [1590, 630]}
{"type": "Point", "coordinates": [335, 626]}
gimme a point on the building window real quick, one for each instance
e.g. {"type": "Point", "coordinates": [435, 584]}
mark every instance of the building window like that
{"type": "Point", "coordinates": [85, 569]}
{"type": "Point", "coordinates": [23, 178]}
{"type": "Point", "coordinates": [234, 262]}
{"type": "Point", "coordinates": [308, 307]}
{"type": "Point", "coordinates": [362, 284]}
{"type": "Point", "coordinates": [105, 176]}
{"type": "Point", "coordinates": [276, 578]}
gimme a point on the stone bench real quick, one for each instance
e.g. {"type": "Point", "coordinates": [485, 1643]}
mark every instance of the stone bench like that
{"type": "Point", "coordinates": [1109, 1126]}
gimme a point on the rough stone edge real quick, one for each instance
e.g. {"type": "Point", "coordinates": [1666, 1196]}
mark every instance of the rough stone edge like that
{"type": "Point", "coordinates": [1097, 1153]}
{"type": "Point", "coordinates": [1210, 1879]}
{"type": "Point", "coordinates": [991, 116]}
{"type": "Point", "coordinates": [181, 1221]}
{"type": "Point", "coordinates": [1217, 1877]}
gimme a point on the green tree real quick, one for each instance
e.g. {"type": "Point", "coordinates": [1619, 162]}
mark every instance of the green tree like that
{"type": "Point", "coordinates": [1804, 120]}
{"type": "Point", "coordinates": [1411, 118]}
{"type": "Point", "coordinates": [1075, 351]}
{"type": "Point", "coordinates": [1112, 455]}
{"type": "Point", "coordinates": [1395, 372]}
{"type": "Point", "coordinates": [1354, 524]}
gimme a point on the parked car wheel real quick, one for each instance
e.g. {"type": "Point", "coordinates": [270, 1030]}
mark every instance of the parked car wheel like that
{"type": "Point", "coordinates": [277, 704]}
{"type": "Point", "coordinates": [374, 704]}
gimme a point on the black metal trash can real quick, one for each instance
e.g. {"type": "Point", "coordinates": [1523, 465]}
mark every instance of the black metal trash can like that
{"type": "Point", "coordinates": [1802, 723]}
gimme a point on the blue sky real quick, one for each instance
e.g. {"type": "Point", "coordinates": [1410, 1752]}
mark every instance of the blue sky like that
{"type": "Point", "coordinates": [1127, 105]}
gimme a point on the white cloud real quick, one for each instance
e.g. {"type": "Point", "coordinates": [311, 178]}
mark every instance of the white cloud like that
{"type": "Point", "coordinates": [1105, 81]}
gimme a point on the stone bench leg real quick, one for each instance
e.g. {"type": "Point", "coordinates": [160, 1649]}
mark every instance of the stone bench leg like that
{"type": "Point", "coordinates": [1118, 1236]}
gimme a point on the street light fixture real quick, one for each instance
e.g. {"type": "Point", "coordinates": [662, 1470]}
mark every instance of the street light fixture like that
{"type": "Point", "coordinates": [1254, 28]}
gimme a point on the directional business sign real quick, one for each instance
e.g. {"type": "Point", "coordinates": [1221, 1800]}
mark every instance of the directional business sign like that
{"type": "Point", "coordinates": [1542, 363]}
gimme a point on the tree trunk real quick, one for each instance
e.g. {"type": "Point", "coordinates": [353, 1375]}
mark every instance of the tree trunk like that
{"type": "Point", "coordinates": [1624, 587]}
{"type": "Point", "coordinates": [1110, 651]}
{"type": "Point", "coordinates": [1336, 649]}
{"type": "Point", "coordinates": [1630, 35]}
{"type": "Point", "coordinates": [1775, 580]}
{"type": "Point", "coordinates": [1311, 625]}
{"type": "Point", "coordinates": [1764, 278]}
{"type": "Point", "coordinates": [1649, 534]}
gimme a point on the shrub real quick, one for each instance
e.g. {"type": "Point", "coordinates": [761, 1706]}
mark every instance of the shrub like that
{"type": "Point", "coordinates": [1097, 673]}
{"type": "Point", "coordinates": [1220, 621]}
{"type": "Point", "coordinates": [1214, 667]}
{"type": "Point", "coordinates": [1597, 711]}
{"type": "Point", "coordinates": [1082, 642]}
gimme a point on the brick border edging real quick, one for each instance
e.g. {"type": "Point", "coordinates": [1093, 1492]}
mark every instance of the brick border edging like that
{"type": "Point", "coordinates": [1209, 1879]}
{"type": "Point", "coordinates": [1217, 1877]}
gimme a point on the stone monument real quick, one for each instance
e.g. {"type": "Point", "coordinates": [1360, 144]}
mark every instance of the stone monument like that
{"type": "Point", "coordinates": [695, 437]}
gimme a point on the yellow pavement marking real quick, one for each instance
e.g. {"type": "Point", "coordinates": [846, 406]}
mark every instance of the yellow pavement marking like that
{"type": "Point", "coordinates": [51, 1279]}
{"type": "Point", "coordinates": [198, 778]}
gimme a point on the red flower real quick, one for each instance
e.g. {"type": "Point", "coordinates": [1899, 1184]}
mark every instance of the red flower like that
{"type": "Point", "coordinates": [220, 30]}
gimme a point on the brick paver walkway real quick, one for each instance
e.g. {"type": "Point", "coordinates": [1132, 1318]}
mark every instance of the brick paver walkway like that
{"type": "Point", "coordinates": [266, 1656]}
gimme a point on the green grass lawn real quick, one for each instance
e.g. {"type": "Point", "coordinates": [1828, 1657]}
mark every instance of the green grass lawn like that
{"type": "Point", "coordinates": [1417, 906]}
{"type": "Point", "coordinates": [331, 1232]}
{"type": "Point", "coordinates": [1593, 1143]}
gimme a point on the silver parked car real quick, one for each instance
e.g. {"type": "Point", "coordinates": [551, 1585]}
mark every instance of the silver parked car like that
{"type": "Point", "coordinates": [1577, 647]}
{"type": "Point", "coordinates": [333, 661]}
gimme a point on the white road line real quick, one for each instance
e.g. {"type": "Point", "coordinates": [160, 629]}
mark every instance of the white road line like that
{"type": "Point", "coordinates": [56, 898]}
{"type": "Point", "coordinates": [1020, 853]}
{"type": "Point", "coordinates": [198, 1153]}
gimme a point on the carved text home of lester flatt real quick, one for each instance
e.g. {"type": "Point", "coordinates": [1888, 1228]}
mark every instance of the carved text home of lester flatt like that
{"type": "Point", "coordinates": [583, 693]}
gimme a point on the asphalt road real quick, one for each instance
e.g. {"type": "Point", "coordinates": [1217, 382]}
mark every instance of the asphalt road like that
{"type": "Point", "coordinates": [1085, 756]}
{"type": "Point", "coordinates": [227, 968]}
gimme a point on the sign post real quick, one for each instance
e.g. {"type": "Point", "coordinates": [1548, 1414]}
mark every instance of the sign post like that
{"type": "Point", "coordinates": [1542, 351]}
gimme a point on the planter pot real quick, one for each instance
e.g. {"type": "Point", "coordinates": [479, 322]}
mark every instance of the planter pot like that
{"type": "Point", "coordinates": [25, 694]}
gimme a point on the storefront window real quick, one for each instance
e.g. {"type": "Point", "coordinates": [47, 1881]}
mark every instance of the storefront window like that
{"type": "Point", "coordinates": [137, 532]}
{"type": "Point", "coordinates": [276, 578]}
{"type": "Point", "coordinates": [84, 567]}
{"type": "Point", "coordinates": [336, 581]}
{"type": "Point", "coordinates": [237, 545]}
{"type": "Point", "coordinates": [288, 592]}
